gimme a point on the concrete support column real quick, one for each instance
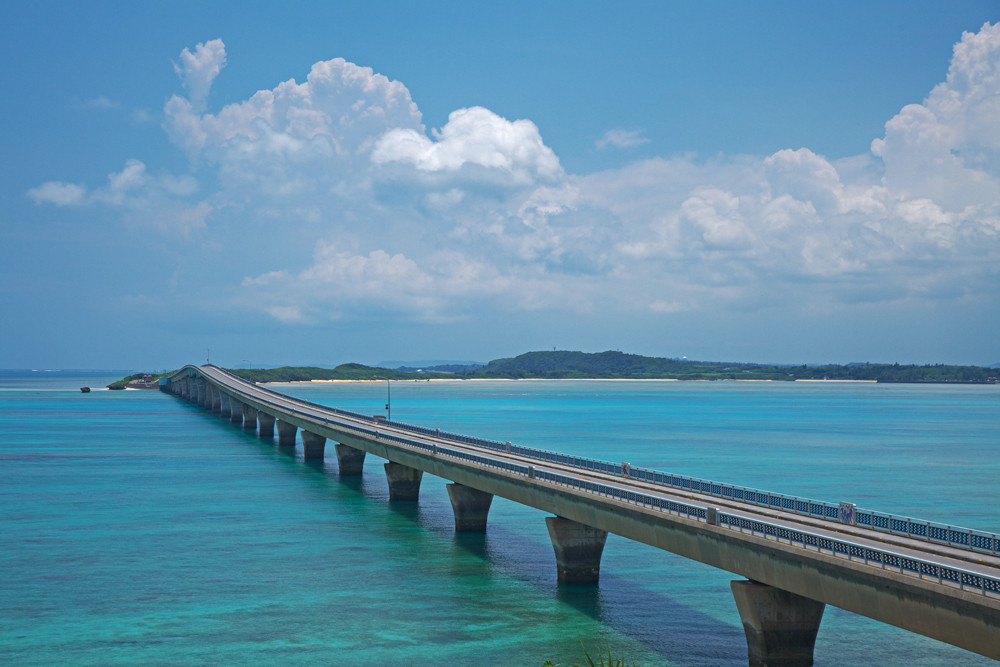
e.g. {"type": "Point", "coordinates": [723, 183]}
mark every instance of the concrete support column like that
{"type": "Point", "coordinates": [350, 460]}
{"type": "Point", "coordinates": [578, 550]}
{"type": "Point", "coordinates": [202, 392]}
{"type": "Point", "coordinates": [266, 422]}
{"type": "Point", "coordinates": [216, 399]}
{"type": "Point", "coordinates": [227, 407]}
{"type": "Point", "coordinates": [471, 507]}
{"type": "Point", "coordinates": [404, 482]}
{"type": "Point", "coordinates": [780, 626]}
{"type": "Point", "coordinates": [313, 445]}
{"type": "Point", "coordinates": [286, 434]}
{"type": "Point", "coordinates": [249, 418]}
{"type": "Point", "coordinates": [235, 411]}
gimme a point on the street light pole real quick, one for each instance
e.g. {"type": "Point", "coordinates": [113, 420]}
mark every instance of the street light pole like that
{"type": "Point", "coordinates": [388, 401]}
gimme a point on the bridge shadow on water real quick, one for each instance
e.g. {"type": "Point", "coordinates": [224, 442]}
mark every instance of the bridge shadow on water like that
{"type": "Point", "coordinates": [677, 632]}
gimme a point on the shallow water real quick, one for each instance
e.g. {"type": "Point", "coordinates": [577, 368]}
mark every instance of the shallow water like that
{"type": "Point", "coordinates": [138, 529]}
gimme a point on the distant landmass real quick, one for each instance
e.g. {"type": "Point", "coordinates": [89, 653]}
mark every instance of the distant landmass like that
{"type": "Point", "coordinates": [613, 365]}
{"type": "Point", "coordinates": [619, 365]}
{"type": "Point", "coordinates": [445, 366]}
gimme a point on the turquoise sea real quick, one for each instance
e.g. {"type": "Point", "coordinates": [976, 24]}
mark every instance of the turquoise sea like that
{"type": "Point", "coordinates": [137, 529]}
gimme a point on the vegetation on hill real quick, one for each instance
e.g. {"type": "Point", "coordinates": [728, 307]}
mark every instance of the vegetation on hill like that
{"type": "Point", "coordinates": [137, 379]}
{"type": "Point", "coordinates": [342, 372]}
{"type": "Point", "coordinates": [615, 365]}
{"type": "Point", "coordinates": [618, 365]}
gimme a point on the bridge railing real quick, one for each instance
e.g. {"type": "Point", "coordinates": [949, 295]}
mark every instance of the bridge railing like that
{"type": "Point", "coordinates": [887, 560]}
{"type": "Point", "coordinates": [974, 540]}
{"type": "Point", "coordinates": [963, 579]}
{"type": "Point", "coordinates": [286, 398]}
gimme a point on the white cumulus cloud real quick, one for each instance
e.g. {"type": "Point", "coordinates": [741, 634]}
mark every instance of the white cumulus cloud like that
{"type": "Point", "coordinates": [143, 200]}
{"type": "Point", "coordinates": [59, 193]}
{"type": "Point", "coordinates": [198, 69]}
{"type": "Point", "coordinates": [473, 136]}
{"type": "Point", "coordinates": [341, 281]}
{"type": "Point", "coordinates": [337, 112]}
{"type": "Point", "coordinates": [621, 138]}
{"type": "Point", "coordinates": [948, 147]}
{"type": "Point", "coordinates": [479, 215]}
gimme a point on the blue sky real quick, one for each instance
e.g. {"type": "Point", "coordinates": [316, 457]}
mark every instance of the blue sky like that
{"type": "Point", "coordinates": [330, 182]}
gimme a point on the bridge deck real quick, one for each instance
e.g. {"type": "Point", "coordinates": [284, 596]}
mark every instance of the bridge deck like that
{"type": "Point", "coordinates": [943, 591]}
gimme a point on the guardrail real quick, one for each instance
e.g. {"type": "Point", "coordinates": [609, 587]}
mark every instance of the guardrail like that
{"type": "Point", "coordinates": [967, 538]}
{"type": "Point", "coordinates": [922, 569]}
{"type": "Point", "coordinates": [929, 531]}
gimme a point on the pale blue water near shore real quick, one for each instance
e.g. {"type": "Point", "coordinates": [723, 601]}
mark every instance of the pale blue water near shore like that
{"type": "Point", "coordinates": [139, 530]}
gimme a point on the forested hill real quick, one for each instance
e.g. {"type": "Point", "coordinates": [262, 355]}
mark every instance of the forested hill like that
{"type": "Point", "coordinates": [615, 365]}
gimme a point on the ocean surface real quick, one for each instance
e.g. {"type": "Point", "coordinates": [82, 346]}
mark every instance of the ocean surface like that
{"type": "Point", "coordinates": [137, 529]}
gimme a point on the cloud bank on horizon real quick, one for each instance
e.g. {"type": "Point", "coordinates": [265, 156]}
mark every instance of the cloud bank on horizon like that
{"type": "Point", "coordinates": [480, 215]}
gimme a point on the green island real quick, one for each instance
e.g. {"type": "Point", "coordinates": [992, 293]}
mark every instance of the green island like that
{"type": "Point", "coordinates": [611, 365]}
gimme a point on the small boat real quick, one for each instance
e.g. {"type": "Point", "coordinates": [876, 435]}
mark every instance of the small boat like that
{"type": "Point", "coordinates": [85, 390]}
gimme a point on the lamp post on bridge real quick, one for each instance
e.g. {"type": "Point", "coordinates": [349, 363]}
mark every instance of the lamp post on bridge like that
{"type": "Point", "coordinates": [388, 399]}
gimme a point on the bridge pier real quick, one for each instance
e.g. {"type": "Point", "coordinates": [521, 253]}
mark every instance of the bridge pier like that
{"type": "Point", "coordinates": [202, 392]}
{"type": "Point", "coordinates": [313, 445]}
{"type": "Point", "coordinates": [350, 460]}
{"type": "Point", "coordinates": [780, 626]}
{"type": "Point", "coordinates": [226, 410]}
{"type": "Point", "coordinates": [471, 507]}
{"type": "Point", "coordinates": [216, 400]}
{"type": "Point", "coordinates": [286, 434]}
{"type": "Point", "coordinates": [249, 418]}
{"type": "Point", "coordinates": [404, 482]}
{"type": "Point", "coordinates": [235, 411]}
{"type": "Point", "coordinates": [266, 422]}
{"type": "Point", "coordinates": [578, 549]}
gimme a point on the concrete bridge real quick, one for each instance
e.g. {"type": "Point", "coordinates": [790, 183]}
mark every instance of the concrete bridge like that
{"type": "Point", "coordinates": [797, 555]}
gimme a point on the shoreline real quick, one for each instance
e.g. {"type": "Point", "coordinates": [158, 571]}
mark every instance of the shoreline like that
{"type": "Point", "coordinates": [278, 382]}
